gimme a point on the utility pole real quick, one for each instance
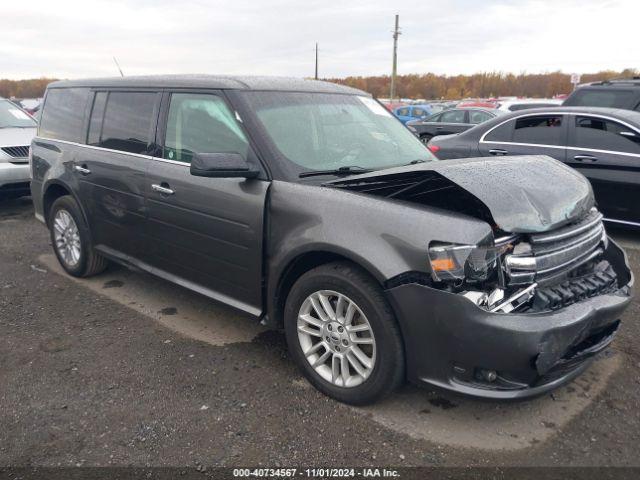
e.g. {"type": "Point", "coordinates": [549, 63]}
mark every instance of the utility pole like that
{"type": "Point", "coordinates": [396, 34]}
{"type": "Point", "coordinates": [316, 77]}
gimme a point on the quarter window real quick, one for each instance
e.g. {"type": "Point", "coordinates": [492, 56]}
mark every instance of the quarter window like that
{"type": "Point", "coordinates": [201, 123]}
{"type": "Point", "coordinates": [540, 130]}
{"type": "Point", "coordinates": [63, 114]}
{"type": "Point", "coordinates": [502, 133]}
{"type": "Point", "coordinates": [477, 116]}
{"type": "Point", "coordinates": [601, 134]}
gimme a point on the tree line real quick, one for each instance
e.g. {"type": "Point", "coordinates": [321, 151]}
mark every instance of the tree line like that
{"type": "Point", "coordinates": [429, 85]}
{"type": "Point", "coordinates": [31, 88]}
{"type": "Point", "coordinates": [479, 85]}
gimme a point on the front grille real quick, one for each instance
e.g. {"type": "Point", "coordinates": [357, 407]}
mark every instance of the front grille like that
{"type": "Point", "coordinates": [554, 254]}
{"type": "Point", "coordinates": [17, 152]}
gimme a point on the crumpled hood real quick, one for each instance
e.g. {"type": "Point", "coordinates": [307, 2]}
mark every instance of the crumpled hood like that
{"type": "Point", "coordinates": [522, 193]}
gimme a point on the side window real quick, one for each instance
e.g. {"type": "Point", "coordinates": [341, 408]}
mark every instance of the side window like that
{"type": "Point", "coordinates": [453, 116]}
{"type": "Point", "coordinates": [540, 129]}
{"type": "Point", "coordinates": [419, 112]}
{"type": "Point", "coordinates": [435, 118]}
{"type": "Point", "coordinates": [403, 112]}
{"type": "Point", "coordinates": [97, 115]}
{"type": "Point", "coordinates": [128, 123]}
{"type": "Point", "coordinates": [63, 114]}
{"type": "Point", "coordinates": [503, 133]}
{"type": "Point", "coordinates": [201, 123]}
{"type": "Point", "coordinates": [478, 116]}
{"type": "Point", "coordinates": [601, 134]}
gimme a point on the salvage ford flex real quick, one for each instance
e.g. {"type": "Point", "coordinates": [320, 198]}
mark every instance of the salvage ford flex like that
{"type": "Point", "coordinates": [308, 206]}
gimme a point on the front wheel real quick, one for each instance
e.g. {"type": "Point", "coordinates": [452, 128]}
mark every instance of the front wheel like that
{"type": "Point", "coordinates": [343, 335]}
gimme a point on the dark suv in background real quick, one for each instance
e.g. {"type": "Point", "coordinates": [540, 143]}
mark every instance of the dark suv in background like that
{"type": "Point", "coordinates": [611, 94]}
{"type": "Point", "coordinates": [309, 206]}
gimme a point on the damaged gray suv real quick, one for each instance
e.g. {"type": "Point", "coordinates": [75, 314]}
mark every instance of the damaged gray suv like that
{"type": "Point", "coordinates": [308, 206]}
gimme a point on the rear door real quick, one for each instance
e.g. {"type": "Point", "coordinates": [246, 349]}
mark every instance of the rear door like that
{"type": "Point", "coordinates": [607, 152]}
{"type": "Point", "coordinates": [206, 233]}
{"type": "Point", "coordinates": [532, 134]}
{"type": "Point", "coordinates": [111, 168]}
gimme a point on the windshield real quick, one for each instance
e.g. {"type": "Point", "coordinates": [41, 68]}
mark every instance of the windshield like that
{"type": "Point", "coordinates": [12, 116]}
{"type": "Point", "coordinates": [320, 131]}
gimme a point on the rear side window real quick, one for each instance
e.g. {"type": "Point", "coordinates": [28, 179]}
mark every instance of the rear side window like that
{"type": "Point", "coordinates": [539, 130]}
{"type": "Point", "coordinates": [127, 123]}
{"type": "Point", "coordinates": [600, 134]}
{"type": "Point", "coordinates": [63, 114]}
{"type": "Point", "coordinates": [597, 97]}
{"type": "Point", "coordinates": [453, 116]}
{"type": "Point", "coordinates": [478, 116]}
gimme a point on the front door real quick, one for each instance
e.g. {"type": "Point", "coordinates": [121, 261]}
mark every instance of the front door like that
{"type": "Point", "coordinates": [111, 168]}
{"type": "Point", "coordinates": [206, 233]}
{"type": "Point", "coordinates": [607, 152]}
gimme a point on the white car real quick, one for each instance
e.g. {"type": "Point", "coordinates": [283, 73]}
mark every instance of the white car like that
{"type": "Point", "coordinates": [17, 128]}
{"type": "Point", "coordinates": [524, 103]}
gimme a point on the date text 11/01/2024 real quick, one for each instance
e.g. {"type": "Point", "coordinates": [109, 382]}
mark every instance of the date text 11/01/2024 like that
{"type": "Point", "coordinates": [315, 473]}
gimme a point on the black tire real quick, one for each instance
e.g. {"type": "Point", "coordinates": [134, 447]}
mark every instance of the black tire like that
{"type": "Point", "coordinates": [425, 138]}
{"type": "Point", "coordinates": [350, 280]}
{"type": "Point", "coordinates": [90, 262]}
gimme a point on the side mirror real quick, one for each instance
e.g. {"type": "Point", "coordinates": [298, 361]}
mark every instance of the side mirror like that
{"type": "Point", "coordinates": [222, 165]}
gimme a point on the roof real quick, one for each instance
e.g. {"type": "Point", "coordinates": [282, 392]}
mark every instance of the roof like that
{"type": "Point", "coordinates": [627, 115]}
{"type": "Point", "coordinates": [224, 82]}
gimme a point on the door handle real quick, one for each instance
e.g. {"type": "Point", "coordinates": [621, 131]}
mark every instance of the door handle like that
{"type": "Point", "coordinates": [82, 169]}
{"type": "Point", "coordinates": [498, 151]}
{"type": "Point", "coordinates": [439, 128]}
{"type": "Point", "coordinates": [164, 190]}
{"type": "Point", "coordinates": [585, 158]}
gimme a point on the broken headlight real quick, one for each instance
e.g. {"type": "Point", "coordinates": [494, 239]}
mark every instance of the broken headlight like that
{"type": "Point", "coordinates": [454, 262]}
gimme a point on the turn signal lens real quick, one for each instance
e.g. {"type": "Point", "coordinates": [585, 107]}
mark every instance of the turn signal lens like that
{"type": "Point", "coordinates": [443, 264]}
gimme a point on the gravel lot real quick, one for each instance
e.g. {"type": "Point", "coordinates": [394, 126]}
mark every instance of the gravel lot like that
{"type": "Point", "coordinates": [125, 369]}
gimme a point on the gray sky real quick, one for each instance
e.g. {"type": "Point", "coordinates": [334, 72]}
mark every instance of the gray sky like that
{"type": "Point", "coordinates": [72, 38]}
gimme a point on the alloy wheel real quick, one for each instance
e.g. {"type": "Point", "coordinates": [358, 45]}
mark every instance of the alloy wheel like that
{"type": "Point", "coordinates": [67, 238]}
{"type": "Point", "coordinates": [336, 338]}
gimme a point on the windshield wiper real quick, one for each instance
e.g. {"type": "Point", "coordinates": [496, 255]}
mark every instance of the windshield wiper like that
{"type": "Point", "coordinates": [338, 171]}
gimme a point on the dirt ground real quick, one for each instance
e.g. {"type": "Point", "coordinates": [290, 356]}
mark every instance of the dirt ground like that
{"type": "Point", "coordinates": [125, 369]}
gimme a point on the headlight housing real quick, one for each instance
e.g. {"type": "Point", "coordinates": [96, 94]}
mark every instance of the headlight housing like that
{"type": "Point", "coordinates": [452, 262]}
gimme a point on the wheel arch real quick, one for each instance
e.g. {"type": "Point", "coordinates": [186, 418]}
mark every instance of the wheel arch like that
{"type": "Point", "coordinates": [300, 264]}
{"type": "Point", "coordinates": [54, 190]}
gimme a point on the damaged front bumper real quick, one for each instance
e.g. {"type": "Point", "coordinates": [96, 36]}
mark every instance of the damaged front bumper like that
{"type": "Point", "coordinates": [451, 342]}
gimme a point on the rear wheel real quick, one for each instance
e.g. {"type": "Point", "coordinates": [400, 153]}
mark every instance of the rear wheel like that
{"type": "Point", "coordinates": [71, 239]}
{"type": "Point", "coordinates": [342, 334]}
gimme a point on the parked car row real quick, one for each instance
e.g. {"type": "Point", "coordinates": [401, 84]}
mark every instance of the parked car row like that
{"type": "Point", "coordinates": [447, 122]}
{"type": "Point", "coordinates": [601, 143]}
